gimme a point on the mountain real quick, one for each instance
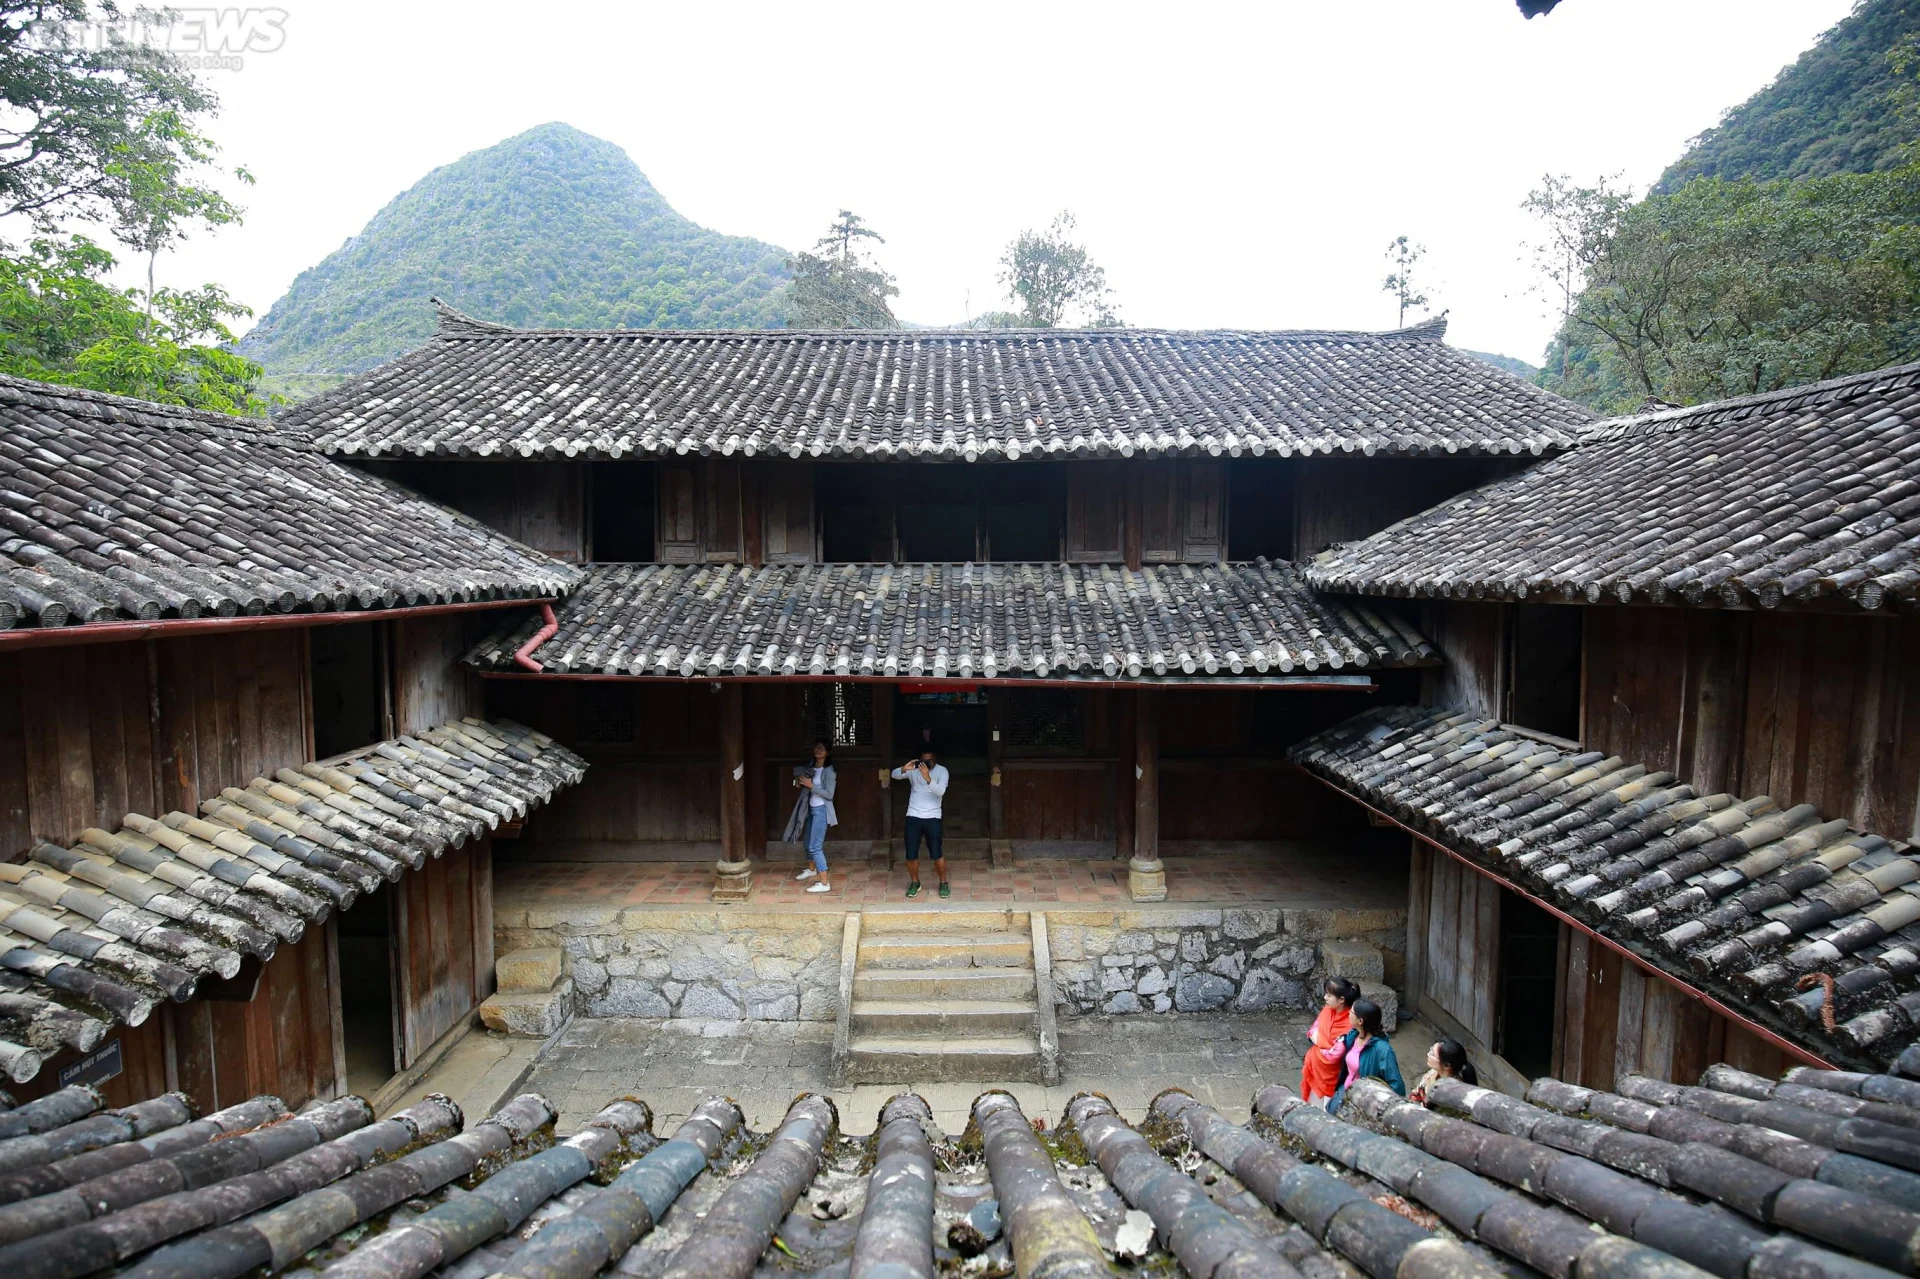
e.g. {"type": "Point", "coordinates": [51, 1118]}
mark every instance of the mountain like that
{"type": "Point", "coordinates": [1827, 113]}
{"type": "Point", "coordinates": [553, 228]}
{"type": "Point", "coordinates": [1517, 367]}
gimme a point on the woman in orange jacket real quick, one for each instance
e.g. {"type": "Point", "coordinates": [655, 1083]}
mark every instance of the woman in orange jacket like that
{"type": "Point", "coordinates": [1321, 1072]}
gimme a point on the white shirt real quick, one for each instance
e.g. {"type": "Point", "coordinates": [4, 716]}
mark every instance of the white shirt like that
{"type": "Point", "coordinates": [815, 800]}
{"type": "Point", "coordinates": [925, 799]}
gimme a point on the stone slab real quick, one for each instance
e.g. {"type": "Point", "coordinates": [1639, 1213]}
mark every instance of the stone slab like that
{"type": "Point", "coordinates": [535, 968]}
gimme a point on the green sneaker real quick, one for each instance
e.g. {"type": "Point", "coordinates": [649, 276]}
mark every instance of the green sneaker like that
{"type": "Point", "coordinates": [913, 889]}
{"type": "Point", "coordinates": [945, 891]}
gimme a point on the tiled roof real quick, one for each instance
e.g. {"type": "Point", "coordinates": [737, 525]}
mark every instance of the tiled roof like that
{"type": "Point", "coordinates": [113, 509]}
{"type": "Point", "coordinates": [1810, 495]}
{"type": "Point", "coordinates": [1740, 1177]}
{"type": "Point", "coordinates": [1741, 898]}
{"type": "Point", "coordinates": [107, 930]}
{"type": "Point", "coordinates": [481, 390]}
{"type": "Point", "coordinates": [958, 620]}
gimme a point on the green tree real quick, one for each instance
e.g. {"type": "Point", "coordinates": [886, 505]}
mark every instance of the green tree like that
{"type": "Point", "coordinates": [162, 199]}
{"type": "Point", "coordinates": [1054, 280]}
{"type": "Point", "coordinates": [1731, 287]}
{"type": "Point", "coordinates": [1404, 255]}
{"type": "Point", "coordinates": [837, 286]}
{"type": "Point", "coordinates": [1576, 223]}
{"type": "Point", "coordinates": [61, 321]}
{"type": "Point", "coordinates": [87, 110]}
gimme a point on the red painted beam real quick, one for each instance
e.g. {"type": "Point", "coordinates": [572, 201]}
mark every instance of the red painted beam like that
{"type": "Point", "coordinates": [108, 632]}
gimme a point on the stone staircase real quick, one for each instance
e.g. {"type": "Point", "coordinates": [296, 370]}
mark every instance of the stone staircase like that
{"type": "Point", "coordinates": [533, 994]}
{"type": "Point", "coordinates": [943, 995]}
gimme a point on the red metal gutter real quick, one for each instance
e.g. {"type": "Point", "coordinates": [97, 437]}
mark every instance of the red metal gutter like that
{"type": "Point", "coordinates": [1360, 684]}
{"type": "Point", "coordinates": [107, 632]}
{"type": "Point", "coordinates": [549, 624]}
{"type": "Point", "coordinates": [1785, 1045]}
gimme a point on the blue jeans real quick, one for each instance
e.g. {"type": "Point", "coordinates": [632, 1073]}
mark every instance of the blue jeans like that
{"type": "Point", "coordinates": [919, 828]}
{"type": "Point", "coordinates": [817, 838]}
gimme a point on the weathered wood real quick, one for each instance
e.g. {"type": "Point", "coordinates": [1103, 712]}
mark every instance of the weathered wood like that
{"type": "Point", "coordinates": [728, 1241]}
{"type": "Point", "coordinates": [1146, 873]}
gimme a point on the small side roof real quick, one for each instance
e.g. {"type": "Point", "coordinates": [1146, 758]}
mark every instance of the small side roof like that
{"type": "Point", "coordinates": [485, 390]}
{"type": "Point", "coordinates": [1808, 497]}
{"type": "Point", "coordinates": [116, 509]}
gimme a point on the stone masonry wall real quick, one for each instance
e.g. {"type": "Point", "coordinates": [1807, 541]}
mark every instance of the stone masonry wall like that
{"type": "Point", "coordinates": [1238, 960]}
{"type": "Point", "coordinates": [731, 965]}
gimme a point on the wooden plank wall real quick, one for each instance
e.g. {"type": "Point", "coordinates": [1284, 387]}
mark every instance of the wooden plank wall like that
{"type": "Point", "coordinates": [437, 915]}
{"type": "Point", "coordinates": [1340, 499]}
{"type": "Point", "coordinates": [1813, 708]}
{"type": "Point", "coordinates": [538, 504]}
{"type": "Point", "coordinates": [1461, 955]}
{"type": "Point", "coordinates": [91, 732]}
{"type": "Point", "coordinates": [430, 686]}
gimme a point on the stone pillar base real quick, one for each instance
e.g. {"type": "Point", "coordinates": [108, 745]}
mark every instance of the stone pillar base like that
{"type": "Point", "coordinates": [880, 856]}
{"type": "Point", "coordinates": [1001, 852]}
{"type": "Point", "coordinates": [1147, 881]}
{"type": "Point", "coordinates": [732, 881]}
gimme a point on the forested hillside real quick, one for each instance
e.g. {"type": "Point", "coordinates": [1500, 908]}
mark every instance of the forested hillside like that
{"type": "Point", "coordinates": [1825, 114]}
{"type": "Point", "coordinates": [553, 228]}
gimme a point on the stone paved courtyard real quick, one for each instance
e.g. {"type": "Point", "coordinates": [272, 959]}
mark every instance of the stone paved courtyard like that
{"type": "Point", "coordinates": [672, 1065]}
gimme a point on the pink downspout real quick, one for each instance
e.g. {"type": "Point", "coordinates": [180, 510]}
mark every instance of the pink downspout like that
{"type": "Point", "coordinates": [548, 625]}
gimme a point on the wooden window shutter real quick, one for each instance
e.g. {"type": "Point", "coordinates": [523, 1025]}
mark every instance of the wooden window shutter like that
{"type": "Point", "coordinates": [720, 526]}
{"type": "Point", "coordinates": [1204, 518]}
{"type": "Point", "coordinates": [1096, 499]}
{"type": "Point", "coordinates": [678, 519]}
{"type": "Point", "coordinates": [786, 490]}
{"type": "Point", "coordinates": [1160, 522]}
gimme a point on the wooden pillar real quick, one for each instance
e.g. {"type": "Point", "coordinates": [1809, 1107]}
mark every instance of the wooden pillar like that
{"type": "Point", "coordinates": [998, 847]}
{"type": "Point", "coordinates": [1146, 873]}
{"type": "Point", "coordinates": [755, 755]}
{"type": "Point", "coordinates": [1120, 713]}
{"type": "Point", "coordinates": [733, 875]}
{"type": "Point", "coordinates": [880, 857]}
{"type": "Point", "coordinates": [1132, 525]}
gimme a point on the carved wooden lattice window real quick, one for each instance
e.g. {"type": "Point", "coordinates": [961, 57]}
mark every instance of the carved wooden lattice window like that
{"type": "Point", "coordinates": [1044, 719]}
{"type": "Point", "coordinates": [840, 713]}
{"type": "Point", "coordinates": [603, 714]}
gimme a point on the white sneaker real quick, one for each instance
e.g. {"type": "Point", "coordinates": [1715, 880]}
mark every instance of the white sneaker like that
{"type": "Point", "coordinates": [806, 874]}
{"type": "Point", "coordinates": [819, 888]}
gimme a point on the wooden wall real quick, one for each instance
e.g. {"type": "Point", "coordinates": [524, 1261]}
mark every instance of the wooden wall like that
{"type": "Point", "coordinates": [1611, 1017]}
{"type": "Point", "coordinates": [1341, 499]}
{"type": "Point", "coordinates": [540, 504]}
{"type": "Point", "coordinates": [652, 793]}
{"type": "Point", "coordinates": [91, 732]}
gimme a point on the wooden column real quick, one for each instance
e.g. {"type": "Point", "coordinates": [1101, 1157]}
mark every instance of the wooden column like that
{"type": "Point", "coordinates": [1146, 873]}
{"type": "Point", "coordinates": [999, 849]}
{"type": "Point", "coordinates": [733, 875]}
{"type": "Point", "coordinates": [880, 857]}
{"type": "Point", "coordinates": [1120, 714]}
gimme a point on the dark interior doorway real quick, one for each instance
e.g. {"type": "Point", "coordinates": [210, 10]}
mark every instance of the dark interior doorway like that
{"type": "Point", "coordinates": [347, 672]}
{"type": "Point", "coordinates": [366, 993]}
{"type": "Point", "coordinates": [1529, 959]}
{"type": "Point", "coordinates": [955, 724]}
{"type": "Point", "coordinates": [1543, 675]}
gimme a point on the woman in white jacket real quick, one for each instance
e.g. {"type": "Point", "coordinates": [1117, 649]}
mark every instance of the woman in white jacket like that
{"type": "Point", "coordinates": [813, 813]}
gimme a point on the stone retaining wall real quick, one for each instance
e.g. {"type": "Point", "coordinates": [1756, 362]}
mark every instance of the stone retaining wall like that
{"type": "Point", "coordinates": [712, 964]}
{"type": "Point", "coordinates": [1246, 960]}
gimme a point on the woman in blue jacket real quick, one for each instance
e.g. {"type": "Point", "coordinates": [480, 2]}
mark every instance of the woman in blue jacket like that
{"type": "Point", "coordinates": [1368, 1054]}
{"type": "Point", "coordinates": [813, 813]}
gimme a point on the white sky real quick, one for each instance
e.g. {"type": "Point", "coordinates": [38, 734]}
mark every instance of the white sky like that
{"type": "Point", "coordinates": [1231, 165]}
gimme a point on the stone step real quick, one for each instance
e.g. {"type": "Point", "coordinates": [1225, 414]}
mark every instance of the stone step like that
{"type": "Point", "coordinates": [533, 969]}
{"type": "Point", "coordinates": [912, 1059]}
{"type": "Point", "coordinates": [946, 950]}
{"type": "Point", "coordinates": [889, 1017]}
{"type": "Point", "coordinates": [933, 918]}
{"type": "Point", "coordinates": [532, 1013]}
{"type": "Point", "coordinates": [923, 984]}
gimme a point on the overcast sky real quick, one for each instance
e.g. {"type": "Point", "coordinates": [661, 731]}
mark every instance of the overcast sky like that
{"type": "Point", "coordinates": [1232, 166]}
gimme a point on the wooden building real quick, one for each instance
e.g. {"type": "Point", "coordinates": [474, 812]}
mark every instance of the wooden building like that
{"type": "Point", "coordinates": [1063, 559]}
{"type": "Point", "coordinates": [195, 608]}
{"type": "Point", "coordinates": [1715, 605]}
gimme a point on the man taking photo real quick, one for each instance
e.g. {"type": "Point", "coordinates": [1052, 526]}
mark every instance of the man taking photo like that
{"type": "Point", "coordinates": [928, 778]}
